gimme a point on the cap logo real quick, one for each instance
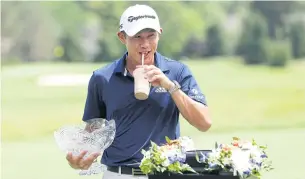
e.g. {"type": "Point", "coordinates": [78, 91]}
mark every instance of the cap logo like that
{"type": "Point", "coordinates": [132, 18]}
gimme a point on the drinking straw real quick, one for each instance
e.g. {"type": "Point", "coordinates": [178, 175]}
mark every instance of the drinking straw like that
{"type": "Point", "coordinates": [142, 59]}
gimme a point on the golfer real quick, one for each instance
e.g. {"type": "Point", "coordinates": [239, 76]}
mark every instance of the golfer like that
{"type": "Point", "coordinates": [173, 91]}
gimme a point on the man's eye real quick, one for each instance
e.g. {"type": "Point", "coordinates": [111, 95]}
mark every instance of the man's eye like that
{"type": "Point", "coordinates": [152, 35]}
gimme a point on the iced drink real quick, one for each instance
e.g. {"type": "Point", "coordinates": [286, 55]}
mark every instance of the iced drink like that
{"type": "Point", "coordinates": [141, 85]}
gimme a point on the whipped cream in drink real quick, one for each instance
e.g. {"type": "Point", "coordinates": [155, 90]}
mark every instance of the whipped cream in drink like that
{"type": "Point", "coordinates": [141, 85]}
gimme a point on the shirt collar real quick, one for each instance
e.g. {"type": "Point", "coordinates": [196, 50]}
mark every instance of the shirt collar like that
{"type": "Point", "coordinates": [159, 62]}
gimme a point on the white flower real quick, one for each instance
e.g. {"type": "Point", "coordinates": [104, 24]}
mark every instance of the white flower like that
{"type": "Point", "coordinates": [163, 156]}
{"type": "Point", "coordinates": [240, 159]}
{"type": "Point", "coordinates": [166, 163]}
{"type": "Point", "coordinates": [147, 154]}
{"type": "Point", "coordinates": [214, 154]}
{"type": "Point", "coordinates": [187, 143]}
{"type": "Point", "coordinates": [247, 146]}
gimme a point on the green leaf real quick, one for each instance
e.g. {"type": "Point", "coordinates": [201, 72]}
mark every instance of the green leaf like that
{"type": "Point", "coordinates": [236, 138]}
{"type": "Point", "coordinates": [186, 167]}
{"type": "Point", "coordinates": [174, 167]}
{"type": "Point", "coordinates": [263, 147]}
{"type": "Point", "coordinates": [146, 166]}
{"type": "Point", "coordinates": [256, 173]}
{"type": "Point", "coordinates": [196, 156]}
{"type": "Point", "coordinates": [253, 142]}
{"type": "Point", "coordinates": [168, 140]}
{"type": "Point", "coordinates": [143, 151]}
{"type": "Point", "coordinates": [153, 144]}
{"type": "Point", "coordinates": [163, 169]}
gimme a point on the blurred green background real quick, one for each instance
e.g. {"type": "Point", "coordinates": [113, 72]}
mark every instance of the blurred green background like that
{"type": "Point", "coordinates": [247, 56]}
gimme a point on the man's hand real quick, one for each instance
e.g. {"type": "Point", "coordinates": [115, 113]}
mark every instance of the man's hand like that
{"type": "Point", "coordinates": [78, 162]}
{"type": "Point", "coordinates": [156, 77]}
{"type": "Point", "coordinates": [194, 112]}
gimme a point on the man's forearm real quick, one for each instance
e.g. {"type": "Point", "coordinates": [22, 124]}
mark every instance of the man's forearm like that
{"type": "Point", "coordinates": [194, 112]}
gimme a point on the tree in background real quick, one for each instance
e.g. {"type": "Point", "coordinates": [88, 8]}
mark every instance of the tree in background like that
{"type": "Point", "coordinates": [274, 12]}
{"type": "Point", "coordinates": [297, 39]}
{"type": "Point", "coordinates": [180, 22]}
{"type": "Point", "coordinates": [108, 15]}
{"type": "Point", "coordinates": [252, 44]}
{"type": "Point", "coordinates": [194, 48]}
{"type": "Point", "coordinates": [28, 31]}
{"type": "Point", "coordinates": [215, 41]}
{"type": "Point", "coordinates": [86, 31]}
{"type": "Point", "coordinates": [279, 53]}
{"type": "Point", "coordinates": [71, 50]}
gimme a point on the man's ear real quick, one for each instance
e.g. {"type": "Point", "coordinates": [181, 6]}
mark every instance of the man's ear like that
{"type": "Point", "coordinates": [159, 34]}
{"type": "Point", "coordinates": [122, 37]}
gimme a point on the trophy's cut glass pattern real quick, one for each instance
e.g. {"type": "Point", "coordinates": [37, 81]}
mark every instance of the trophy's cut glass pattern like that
{"type": "Point", "coordinates": [93, 136]}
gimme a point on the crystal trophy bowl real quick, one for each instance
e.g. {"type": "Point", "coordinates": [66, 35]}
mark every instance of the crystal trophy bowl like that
{"type": "Point", "coordinates": [94, 136]}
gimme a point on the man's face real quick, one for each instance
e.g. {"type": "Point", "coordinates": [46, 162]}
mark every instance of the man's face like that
{"type": "Point", "coordinates": [146, 41]}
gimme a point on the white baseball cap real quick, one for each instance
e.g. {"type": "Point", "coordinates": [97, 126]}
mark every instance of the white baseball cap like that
{"type": "Point", "coordinates": [138, 17]}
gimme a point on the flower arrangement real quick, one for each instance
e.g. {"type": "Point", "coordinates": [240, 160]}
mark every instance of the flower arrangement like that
{"type": "Point", "coordinates": [247, 158]}
{"type": "Point", "coordinates": [241, 157]}
{"type": "Point", "coordinates": [169, 157]}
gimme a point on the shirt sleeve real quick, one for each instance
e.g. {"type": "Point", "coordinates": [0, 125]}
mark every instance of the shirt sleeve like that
{"type": "Point", "coordinates": [190, 86]}
{"type": "Point", "coordinates": [94, 106]}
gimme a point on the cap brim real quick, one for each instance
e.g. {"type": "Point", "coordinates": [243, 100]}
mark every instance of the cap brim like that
{"type": "Point", "coordinates": [137, 29]}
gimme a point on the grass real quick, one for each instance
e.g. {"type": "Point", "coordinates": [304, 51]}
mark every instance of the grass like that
{"type": "Point", "coordinates": [264, 103]}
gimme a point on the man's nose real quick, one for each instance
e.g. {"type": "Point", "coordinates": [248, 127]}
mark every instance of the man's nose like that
{"type": "Point", "coordinates": [144, 43]}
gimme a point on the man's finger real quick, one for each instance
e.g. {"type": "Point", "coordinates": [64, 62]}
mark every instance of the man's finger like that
{"type": "Point", "coordinates": [149, 67]}
{"type": "Point", "coordinates": [88, 161]}
{"type": "Point", "coordinates": [151, 73]}
{"type": "Point", "coordinates": [69, 156]}
{"type": "Point", "coordinates": [154, 78]}
{"type": "Point", "coordinates": [73, 165]}
{"type": "Point", "coordinates": [80, 156]}
{"type": "Point", "coordinates": [140, 66]}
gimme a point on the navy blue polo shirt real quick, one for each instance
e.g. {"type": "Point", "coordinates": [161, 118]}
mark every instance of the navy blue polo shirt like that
{"type": "Point", "coordinates": [111, 96]}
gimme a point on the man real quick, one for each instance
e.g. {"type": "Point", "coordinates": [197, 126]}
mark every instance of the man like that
{"type": "Point", "coordinates": [111, 95]}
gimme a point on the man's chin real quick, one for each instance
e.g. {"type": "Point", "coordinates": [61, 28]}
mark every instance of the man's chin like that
{"type": "Point", "coordinates": [149, 59]}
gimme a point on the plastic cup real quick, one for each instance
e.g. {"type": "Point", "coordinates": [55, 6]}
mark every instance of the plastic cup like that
{"type": "Point", "coordinates": [141, 85]}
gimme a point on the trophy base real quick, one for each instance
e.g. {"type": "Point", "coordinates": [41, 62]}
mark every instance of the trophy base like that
{"type": "Point", "coordinates": [95, 168]}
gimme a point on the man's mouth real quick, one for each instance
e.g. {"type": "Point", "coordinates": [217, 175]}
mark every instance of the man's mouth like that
{"type": "Point", "coordinates": [145, 53]}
